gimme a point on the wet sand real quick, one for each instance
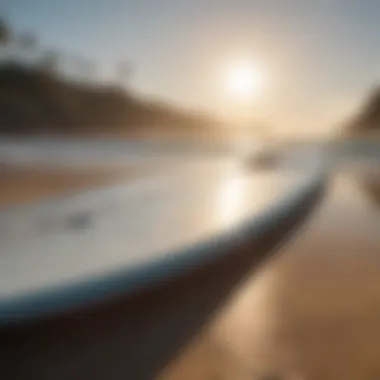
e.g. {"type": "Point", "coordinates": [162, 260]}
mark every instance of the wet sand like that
{"type": "Point", "coordinates": [23, 185]}
{"type": "Point", "coordinates": [312, 312]}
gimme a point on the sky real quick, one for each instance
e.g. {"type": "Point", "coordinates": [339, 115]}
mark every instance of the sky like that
{"type": "Point", "coordinates": [320, 58]}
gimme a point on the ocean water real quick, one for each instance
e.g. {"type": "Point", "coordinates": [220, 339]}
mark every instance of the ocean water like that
{"type": "Point", "coordinates": [71, 152]}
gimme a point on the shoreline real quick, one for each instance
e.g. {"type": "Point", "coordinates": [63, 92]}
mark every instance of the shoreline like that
{"type": "Point", "coordinates": [23, 185]}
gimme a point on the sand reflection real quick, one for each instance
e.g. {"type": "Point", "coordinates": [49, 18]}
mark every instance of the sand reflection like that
{"type": "Point", "coordinates": [313, 312]}
{"type": "Point", "coordinates": [369, 181]}
{"type": "Point", "coordinates": [231, 196]}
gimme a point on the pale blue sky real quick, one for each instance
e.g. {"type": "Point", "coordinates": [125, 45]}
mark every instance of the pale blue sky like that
{"type": "Point", "coordinates": [320, 56]}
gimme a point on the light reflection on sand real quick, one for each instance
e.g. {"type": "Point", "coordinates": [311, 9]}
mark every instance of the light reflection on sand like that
{"type": "Point", "coordinates": [313, 312]}
{"type": "Point", "coordinates": [230, 199]}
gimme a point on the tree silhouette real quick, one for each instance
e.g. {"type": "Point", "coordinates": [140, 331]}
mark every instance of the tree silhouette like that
{"type": "Point", "coordinates": [37, 98]}
{"type": "Point", "coordinates": [5, 32]}
{"type": "Point", "coordinates": [5, 38]}
{"type": "Point", "coordinates": [23, 46]}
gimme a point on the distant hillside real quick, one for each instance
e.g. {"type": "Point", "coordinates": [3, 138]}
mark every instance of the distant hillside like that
{"type": "Point", "coordinates": [34, 100]}
{"type": "Point", "coordinates": [367, 121]}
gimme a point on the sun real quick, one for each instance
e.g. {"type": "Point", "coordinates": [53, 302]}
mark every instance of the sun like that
{"type": "Point", "coordinates": [244, 80]}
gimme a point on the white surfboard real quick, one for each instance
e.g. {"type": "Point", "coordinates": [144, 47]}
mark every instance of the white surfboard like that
{"type": "Point", "coordinates": [63, 252]}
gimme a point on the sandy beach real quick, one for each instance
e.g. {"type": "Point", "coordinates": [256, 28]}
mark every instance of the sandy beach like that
{"type": "Point", "coordinates": [312, 312]}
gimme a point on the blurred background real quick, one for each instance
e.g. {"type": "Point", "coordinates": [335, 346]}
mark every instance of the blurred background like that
{"type": "Point", "coordinates": [216, 72]}
{"type": "Point", "coordinates": [199, 69]}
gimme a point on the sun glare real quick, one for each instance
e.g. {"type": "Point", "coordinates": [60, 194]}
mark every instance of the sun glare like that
{"type": "Point", "coordinates": [244, 80]}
